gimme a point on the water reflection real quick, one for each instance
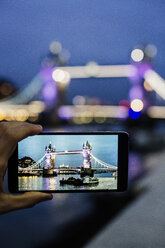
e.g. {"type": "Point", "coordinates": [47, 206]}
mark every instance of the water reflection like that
{"type": "Point", "coordinates": [53, 183]}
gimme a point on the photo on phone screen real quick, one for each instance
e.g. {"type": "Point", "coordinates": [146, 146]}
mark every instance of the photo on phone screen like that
{"type": "Point", "coordinates": [68, 162]}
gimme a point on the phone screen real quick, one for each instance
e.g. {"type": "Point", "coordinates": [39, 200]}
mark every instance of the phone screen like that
{"type": "Point", "coordinates": [68, 162]}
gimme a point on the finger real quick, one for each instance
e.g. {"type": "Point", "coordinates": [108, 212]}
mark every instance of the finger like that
{"type": "Point", "coordinates": [22, 131]}
{"type": "Point", "coordinates": [28, 200]}
{"type": "Point", "coordinates": [4, 125]}
{"type": "Point", "coordinates": [12, 136]}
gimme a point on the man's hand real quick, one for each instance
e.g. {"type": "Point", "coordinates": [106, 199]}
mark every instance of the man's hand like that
{"type": "Point", "coordinates": [10, 134]}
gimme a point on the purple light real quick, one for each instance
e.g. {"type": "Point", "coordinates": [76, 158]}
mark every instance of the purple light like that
{"type": "Point", "coordinates": [46, 74]}
{"type": "Point", "coordinates": [136, 92]}
{"type": "Point", "coordinates": [65, 113]}
{"type": "Point", "coordinates": [134, 74]}
{"type": "Point", "coordinates": [138, 70]}
{"type": "Point", "coordinates": [143, 67]}
{"type": "Point", "coordinates": [49, 90]}
{"type": "Point", "coordinates": [49, 93]}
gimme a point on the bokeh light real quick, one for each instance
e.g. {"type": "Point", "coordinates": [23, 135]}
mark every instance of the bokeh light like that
{"type": "Point", "coordinates": [137, 105]}
{"type": "Point", "coordinates": [100, 120]}
{"type": "Point", "coordinates": [55, 47]}
{"type": "Point", "coordinates": [134, 115]}
{"type": "Point", "coordinates": [79, 100]}
{"type": "Point", "coordinates": [124, 103]}
{"type": "Point", "coordinates": [64, 56]}
{"type": "Point", "coordinates": [137, 55]}
{"type": "Point", "coordinates": [77, 120]}
{"type": "Point", "coordinates": [92, 69]}
{"type": "Point", "coordinates": [2, 115]}
{"type": "Point", "coordinates": [21, 115]}
{"type": "Point", "coordinates": [150, 50]}
{"type": "Point", "coordinates": [36, 107]}
{"type": "Point", "coordinates": [9, 115]}
{"type": "Point", "coordinates": [87, 119]}
{"type": "Point", "coordinates": [33, 118]}
{"type": "Point", "coordinates": [136, 92]}
{"type": "Point", "coordinates": [47, 62]}
{"type": "Point", "coordinates": [60, 76]}
{"type": "Point", "coordinates": [49, 91]}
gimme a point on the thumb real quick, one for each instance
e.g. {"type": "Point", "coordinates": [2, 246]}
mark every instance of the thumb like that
{"type": "Point", "coordinates": [29, 199]}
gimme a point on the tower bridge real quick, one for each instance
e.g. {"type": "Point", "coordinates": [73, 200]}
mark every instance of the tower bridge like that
{"type": "Point", "coordinates": [48, 161]}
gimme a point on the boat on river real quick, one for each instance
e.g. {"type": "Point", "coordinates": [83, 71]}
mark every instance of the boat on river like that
{"type": "Point", "coordinates": [90, 180]}
{"type": "Point", "coordinates": [79, 182]}
{"type": "Point", "coordinates": [72, 181]}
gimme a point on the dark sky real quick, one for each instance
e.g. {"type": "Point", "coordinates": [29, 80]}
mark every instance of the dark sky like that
{"type": "Point", "coordinates": [92, 30]}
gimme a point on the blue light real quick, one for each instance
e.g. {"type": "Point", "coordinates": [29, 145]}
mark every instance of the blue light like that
{"type": "Point", "coordinates": [134, 115]}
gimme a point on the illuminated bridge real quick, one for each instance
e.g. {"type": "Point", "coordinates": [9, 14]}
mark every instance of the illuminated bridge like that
{"type": "Point", "coordinates": [48, 160]}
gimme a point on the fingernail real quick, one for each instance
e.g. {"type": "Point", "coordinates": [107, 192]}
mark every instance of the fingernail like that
{"type": "Point", "coordinates": [49, 196]}
{"type": "Point", "coordinates": [39, 126]}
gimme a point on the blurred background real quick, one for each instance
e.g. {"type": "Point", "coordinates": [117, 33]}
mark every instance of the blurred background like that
{"type": "Point", "coordinates": [86, 66]}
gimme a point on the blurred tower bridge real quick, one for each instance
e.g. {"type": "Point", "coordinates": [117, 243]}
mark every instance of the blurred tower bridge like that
{"type": "Point", "coordinates": [49, 88]}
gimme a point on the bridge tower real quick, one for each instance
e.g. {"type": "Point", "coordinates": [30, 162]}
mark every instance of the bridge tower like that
{"type": "Point", "coordinates": [47, 157]}
{"type": "Point", "coordinates": [50, 156]}
{"type": "Point", "coordinates": [53, 157]}
{"type": "Point", "coordinates": [87, 159]}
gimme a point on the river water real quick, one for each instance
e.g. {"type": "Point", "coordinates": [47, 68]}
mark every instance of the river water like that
{"type": "Point", "coordinates": [53, 183]}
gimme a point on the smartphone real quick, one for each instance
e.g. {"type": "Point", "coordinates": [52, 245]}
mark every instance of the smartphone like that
{"type": "Point", "coordinates": [70, 162]}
